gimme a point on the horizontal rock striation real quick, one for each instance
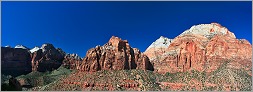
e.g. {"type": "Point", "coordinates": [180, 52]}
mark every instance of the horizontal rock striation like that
{"type": "Point", "coordinates": [203, 47]}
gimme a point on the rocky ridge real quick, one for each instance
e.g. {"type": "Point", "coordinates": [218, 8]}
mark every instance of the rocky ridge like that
{"type": "Point", "coordinates": [158, 47]}
{"type": "Point", "coordinates": [47, 58]}
{"type": "Point", "coordinates": [208, 30]}
{"type": "Point", "coordinates": [21, 47]}
{"type": "Point", "coordinates": [202, 47]}
{"type": "Point", "coordinates": [72, 61]}
{"type": "Point", "coordinates": [190, 61]}
{"type": "Point", "coordinates": [15, 61]}
{"type": "Point", "coordinates": [115, 55]}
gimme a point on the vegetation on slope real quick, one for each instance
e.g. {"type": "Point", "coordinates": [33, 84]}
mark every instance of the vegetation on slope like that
{"type": "Point", "coordinates": [38, 79]}
{"type": "Point", "coordinates": [222, 79]}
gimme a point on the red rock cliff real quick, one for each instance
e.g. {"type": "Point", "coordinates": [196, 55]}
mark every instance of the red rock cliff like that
{"type": "Point", "coordinates": [114, 55]}
{"type": "Point", "coordinates": [47, 58]}
{"type": "Point", "coordinates": [203, 47]}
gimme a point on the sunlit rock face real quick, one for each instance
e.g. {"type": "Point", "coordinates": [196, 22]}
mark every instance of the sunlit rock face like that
{"type": "Point", "coordinates": [202, 47]}
{"type": "Point", "coordinates": [157, 48]}
{"type": "Point", "coordinates": [208, 30]}
{"type": "Point", "coordinates": [47, 58]}
{"type": "Point", "coordinates": [72, 61]}
{"type": "Point", "coordinates": [116, 54]}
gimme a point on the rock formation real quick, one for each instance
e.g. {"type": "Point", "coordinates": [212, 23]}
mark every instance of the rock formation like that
{"type": "Point", "coordinates": [21, 47]}
{"type": "Point", "coordinates": [47, 58]}
{"type": "Point", "coordinates": [208, 30]}
{"type": "Point", "coordinates": [34, 49]}
{"type": "Point", "coordinates": [222, 47]}
{"type": "Point", "coordinates": [184, 52]}
{"type": "Point", "coordinates": [72, 61]}
{"type": "Point", "coordinates": [204, 57]}
{"type": "Point", "coordinates": [20, 60]}
{"type": "Point", "coordinates": [115, 55]}
{"type": "Point", "coordinates": [157, 48]}
{"type": "Point", "coordinates": [203, 47]}
{"type": "Point", "coordinates": [15, 61]}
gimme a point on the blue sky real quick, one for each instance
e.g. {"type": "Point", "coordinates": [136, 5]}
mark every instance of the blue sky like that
{"type": "Point", "coordinates": [78, 26]}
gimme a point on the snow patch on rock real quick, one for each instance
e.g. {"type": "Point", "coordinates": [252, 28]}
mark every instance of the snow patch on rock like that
{"type": "Point", "coordinates": [8, 46]}
{"type": "Point", "coordinates": [34, 49]}
{"type": "Point", "coordinates": [21, 47]}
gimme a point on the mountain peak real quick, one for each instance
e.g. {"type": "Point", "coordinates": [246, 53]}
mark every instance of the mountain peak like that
{"type": "Point", "coordinates": [158, 46]}
{"type": "Point", "coordinates": [208, 30]}
{"type": "Point", "coordinates": [161, 37]}
{"type": "Point", "coordinates": [45, 47]}
{"type": "Point", "coordinates": [8, 46]}
{"type": "Point", "coordinates": [21, 47]}
{"type": "Point", "coordinates": [115, 38]}
{"type": "Point", "coordinates": [162, 42]}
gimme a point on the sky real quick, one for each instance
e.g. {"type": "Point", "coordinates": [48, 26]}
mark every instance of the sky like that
{"type": "Point", "coordinates": [76, 27]}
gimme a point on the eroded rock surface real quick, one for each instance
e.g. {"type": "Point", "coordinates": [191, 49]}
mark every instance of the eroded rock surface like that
{"type": "Point", "coordinates": [203, 47]}
{"type": "Point", "coordinates": [47, 58]}
{"type": "Point", "coordinates": [72, 61]}
{"type": "Point", "coordinates": [157, 48]}
{"type": "Point", "coordinates": [115, 55]}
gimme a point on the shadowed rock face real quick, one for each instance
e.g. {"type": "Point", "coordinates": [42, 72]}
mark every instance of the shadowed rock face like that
{"type": "Point", "coordinates": [20, 60]}
{"type": "Point", "coordinates": [12, 85]}
{"type": "Point", "coordinates": [15, 61]}
{"type": "Point", "coordinates": [115, 55]}
{"type": "Point", "coordinates": [47, 58]}
{"type": "Point", "coordinates": [203, 47]}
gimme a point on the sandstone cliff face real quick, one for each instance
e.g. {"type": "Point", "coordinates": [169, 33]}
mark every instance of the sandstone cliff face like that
{"type": "Point", "coordinates": [47, 58]}
{"type": "Point", "coordinates": [203, 47]}
{"type": "Point", "coordinates": [72, 61]}
{"type": "Point", "coordinates": [114, 55]}
{"type": "Point", "coordinates": [222, 47]}
{"type": "Point", "coordinates": [184, 53]}
{"type": "Point", "coordinates": [15, 61]}
{"type": "Point", "coordinates": [158, 47]}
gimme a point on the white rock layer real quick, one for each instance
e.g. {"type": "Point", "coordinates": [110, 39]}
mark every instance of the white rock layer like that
{"type": "Point", "coordinates": [208, 30]}
{"type": "Point", "coordinates": [162, 42]}
{"type": "Point", "coordinates": [34, 49]}
{"type": "Point", "coordinates": [21, 46]}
